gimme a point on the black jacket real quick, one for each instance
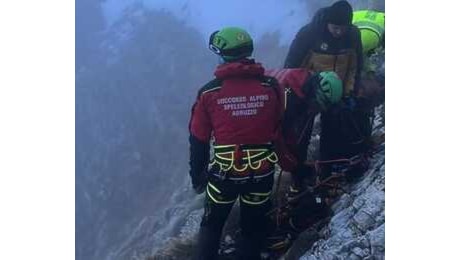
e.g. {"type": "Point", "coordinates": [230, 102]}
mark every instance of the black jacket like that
{"type": "Point", "coordinates": [311, 36]}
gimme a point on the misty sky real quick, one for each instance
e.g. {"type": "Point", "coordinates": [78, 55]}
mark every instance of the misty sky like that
{"type": "Point", "coordinates": [209, 15]}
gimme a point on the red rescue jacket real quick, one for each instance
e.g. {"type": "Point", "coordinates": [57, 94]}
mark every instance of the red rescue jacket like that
{"type": "Point", "coordinates": [240, 106]}
{"type": "Point", "coordinates": [300, 111]}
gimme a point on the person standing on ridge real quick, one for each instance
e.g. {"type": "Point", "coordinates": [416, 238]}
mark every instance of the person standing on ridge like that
{"type": "Point", "coordinates": [242, 109]}
{"type": "Point", "coordinates": [331, 42]}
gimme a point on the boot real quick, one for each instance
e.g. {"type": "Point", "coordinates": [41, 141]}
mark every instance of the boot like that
{"type": "Point", "coordinates": [208, 244]}
{"type": "Point", "coordinates": [249, 248]}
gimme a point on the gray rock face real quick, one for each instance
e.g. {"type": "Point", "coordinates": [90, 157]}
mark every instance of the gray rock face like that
{"type": "Point", "coordinates": [357, 228]}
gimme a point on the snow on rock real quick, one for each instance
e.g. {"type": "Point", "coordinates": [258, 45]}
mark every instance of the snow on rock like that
{"type": "Point", "coordinates": [357, 228]}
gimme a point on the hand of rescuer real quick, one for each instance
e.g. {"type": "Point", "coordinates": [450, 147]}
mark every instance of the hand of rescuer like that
{"type": "Point", "coordinates": [199, 158]}
{"type": "Point", "coordinates": [199, 183]}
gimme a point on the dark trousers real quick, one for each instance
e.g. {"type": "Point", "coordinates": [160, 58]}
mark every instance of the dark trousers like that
{"type": "Point", "coordinates": [302, 132]}
{"type": "Point", "coordinates": [255, 202]}
{"type": "Point", "coordinates": [344, 133]}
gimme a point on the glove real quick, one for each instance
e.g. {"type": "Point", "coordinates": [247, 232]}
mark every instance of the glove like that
{"type": "Point", "coordinates": [200, 188]}
{"type": "Point", "coordinates": [199, 157]}
{"type": "Point", "coordinates": [199, 183]}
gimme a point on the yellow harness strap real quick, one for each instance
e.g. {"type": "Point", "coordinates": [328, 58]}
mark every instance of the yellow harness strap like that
{"type": "Point", "coordinates": [224, 156]}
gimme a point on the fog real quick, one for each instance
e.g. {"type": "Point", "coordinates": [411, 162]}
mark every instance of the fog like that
{"type": "Point", "coordinates": [258, 17]}
{"type": "Point", "coordinates": [139, 65]}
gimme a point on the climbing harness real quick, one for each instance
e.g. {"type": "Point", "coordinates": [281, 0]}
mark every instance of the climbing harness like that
{"type": "Point", "coordinates": [242, 159]}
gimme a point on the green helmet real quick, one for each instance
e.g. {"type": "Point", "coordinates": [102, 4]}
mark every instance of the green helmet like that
{"type": "Point", "coordinates": [231, 43]}
{"type": "Point", "coordinates": [329, 90]}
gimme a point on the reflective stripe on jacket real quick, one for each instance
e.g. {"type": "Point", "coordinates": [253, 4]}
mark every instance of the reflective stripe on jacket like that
{"type": "Point", "coordinates": [372, 27]}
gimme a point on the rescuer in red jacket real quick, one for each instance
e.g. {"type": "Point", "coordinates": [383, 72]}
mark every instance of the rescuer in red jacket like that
{"type": "Point", "coordinates": [303, 100]}
{"type": "Point", "coordinates": [241, 110]}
